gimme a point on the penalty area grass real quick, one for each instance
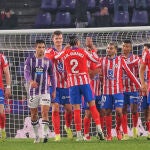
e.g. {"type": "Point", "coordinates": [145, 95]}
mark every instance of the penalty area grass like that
{"type": "Point", "coordinates": [141, 143]}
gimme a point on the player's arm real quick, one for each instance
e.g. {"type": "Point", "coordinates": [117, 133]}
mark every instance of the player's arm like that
{"type": "Point", "coordinates": [130, 74]}
{"type": "Point", "coordinates": [93, 70]}
{"type": "Point", "coordinates": [5, 67]}
{"type": "Point", "coordinates": [8, 82]}
{"type": "Point", "coordinates": [141, 75]}
{"type": "Point", "coordinates": [27, 74]}
{"type": "Point", "coordinates": [60, 55]}
{"type": "Point", "coordinates": [52, 80]}
{"type": "Point", "coordinates": [50, 53]}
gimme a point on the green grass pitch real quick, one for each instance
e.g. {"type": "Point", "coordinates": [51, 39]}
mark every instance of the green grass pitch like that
{"type": "Point", "coordinates": [140, 143]}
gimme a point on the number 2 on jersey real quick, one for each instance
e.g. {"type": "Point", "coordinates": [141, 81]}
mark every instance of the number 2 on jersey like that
{"type": "Point", "coordinates": [74, 64]}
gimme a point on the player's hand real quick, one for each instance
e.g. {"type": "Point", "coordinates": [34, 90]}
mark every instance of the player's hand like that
{"type": "Point", "coordinates": [7, 93]}
{"type": "Point", "coordinates": [33, 84]}
{"type": "Point", "coordinates": [67, 46]}
{"type": "Point", "coordinates": [53, 95]}
{"type": "Point", "coordinates": [144, 87]}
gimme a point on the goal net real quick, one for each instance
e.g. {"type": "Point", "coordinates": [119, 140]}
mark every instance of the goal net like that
{"type": "Point", "coordinates": [18, 44]}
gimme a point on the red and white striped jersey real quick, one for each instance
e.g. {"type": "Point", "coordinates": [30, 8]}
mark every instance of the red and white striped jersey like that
{"type": "Point", "coordinates": [75, 60]}
{"type": "Point", "coordinates": [3, 64]}
{"type": "Point", "coordinates": [60, 72]}
{"type": "Point", "coordinates": [128, 85]}
{"type": "Point", "coordinates": [96, 81]}
{"type": "Point", "coordinates": [112, 70]}
{"type": "Point", "coordinates": [146, 60]}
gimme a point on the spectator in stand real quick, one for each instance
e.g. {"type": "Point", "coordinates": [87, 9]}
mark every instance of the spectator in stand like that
{"type": "Point", "coordinates": [103, 18]}
{"type": "Point", "coordinates": [10, 20]}
{"type": "Point", "coordinates": [81, 13]}
{"type": "Point", "coordinates": [120, 5]}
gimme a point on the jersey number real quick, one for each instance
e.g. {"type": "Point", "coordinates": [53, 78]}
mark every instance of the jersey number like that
{"type": "Point", "coordinates": [74, 62]}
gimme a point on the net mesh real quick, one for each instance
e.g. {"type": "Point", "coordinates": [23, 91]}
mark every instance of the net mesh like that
{"type": "Point", "coordinates": [17, 44]}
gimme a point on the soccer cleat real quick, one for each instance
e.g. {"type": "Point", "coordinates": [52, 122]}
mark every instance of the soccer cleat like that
{"type": "Point", "coordinates": [86, 138]}
{"type": "Point", "coordinates": [125, 137]}
{"type": "Point", "coordinates": [3, 135]}
{"type": "Point", "coordinates": [109, 138]}
{"type": "Point", "coordinates": [148, 136]}
{"type": "Point", "coordinates": [100, 135]}
{"type": "Point", "coordinates": [79, 138]}
{"type": "Point", "coordinates": [135, 132]}
{"type": "Point", "coordinates": [45, 140]}
{"type": "Point", "coordinates": [119, 134]}
{"type": "Point", "coordinates": [37, 139]}
{"type": "Point", "coordinates": [57, 138]}
{"type": "Point", "coordinates": [69, 132]}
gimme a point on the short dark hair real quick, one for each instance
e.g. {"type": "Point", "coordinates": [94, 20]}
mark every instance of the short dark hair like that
{"type": "Point", "coordinates": [73, 40]}
{"type": "Point", "coordinates": [40, 41]}
{"type": "Point", "coordinates": [113, 44]}
{"type": "Point", "coordinates": [147, 45]}
{"type": "Point", "coordinates": [127, 41]}
{"type": "Point", "coordinates": [57, 32]}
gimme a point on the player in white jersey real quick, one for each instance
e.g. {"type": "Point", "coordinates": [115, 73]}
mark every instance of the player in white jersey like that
{"type": "Point", "coordinates": [36, 71]}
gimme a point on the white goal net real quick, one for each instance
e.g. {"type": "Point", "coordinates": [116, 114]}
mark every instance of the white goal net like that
{"type": "Point", "coordinates": [17, 44]}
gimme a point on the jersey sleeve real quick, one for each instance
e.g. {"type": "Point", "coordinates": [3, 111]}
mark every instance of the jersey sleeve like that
{"type": "Point", "coordinates": [91, 57]}
{"type": "Point", "coordinates": [4, 61]}
{"type": "Point", "coordinates": [144, 59]}
{"type": "Point", "coordinates": [130, 74]}
{"type": "Point", "coordinates": [50, 53]}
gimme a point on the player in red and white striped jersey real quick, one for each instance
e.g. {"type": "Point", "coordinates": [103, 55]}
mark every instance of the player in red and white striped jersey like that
{"type": "Point", "coordinates": [112, 71]}
{"type": "Point", "coordinates": [131, 91]}
{"type": "Point", "coordinates": [4, 68]}
{"type": "Point", "coordinates": [94, 72]}
{"type": "Point", "coordinates": [75, 60]}
{"type": "Point", "coordinates": [145, 79]}
{"type": "Point", "coordinates": [62, 89]}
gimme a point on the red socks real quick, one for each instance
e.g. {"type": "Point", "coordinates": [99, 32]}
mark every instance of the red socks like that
{"type": "Point", "coordinates": [87, 122]}
{"type": "Point", "coordinates": [77, 119]}
{"type": "Point", "coordinates": [124, 123]}
{"type": "Point", "coordinates": [148, 126]}
{"type": "Point", "coordinates": [135, 119]}
{"type": "Point", "coordinates": [2, 121]}
{"type": "Point", "coordinates": [95, 115]}
{"type": "Point", "coordinates": [56, 121]}
{"type": "Point", "coordinates": [118, 121]}
{"type": "Point", "coordinates": [108, 124]}
{"type": "Point", "coordinates": [68, 118]}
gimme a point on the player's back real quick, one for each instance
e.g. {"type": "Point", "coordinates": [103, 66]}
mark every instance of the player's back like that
{"type": "Point", "coordinates": [75, 60]}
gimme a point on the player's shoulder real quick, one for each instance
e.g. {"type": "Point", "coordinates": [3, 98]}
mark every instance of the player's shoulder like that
{"type": "Point", "coordinates": [49, 50]}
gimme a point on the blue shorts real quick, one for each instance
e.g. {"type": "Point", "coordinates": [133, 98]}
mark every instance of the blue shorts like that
{"type": "Point", "coordinates": [131, 98]}
{"type": "Point", "coordinates": [80, 90]}
{"type": "Point", "coordinates": [144, 103]}
{"type": "Point", "coordinates": [62, 96]}
{"type": "Point", "coordinates": [111, 101]}
{"type": "Point", "coordinates": [98, 100]}
{"type": "Point", "coordinates": [148, 99]}
{"type": "Point", "coordinates": [2, 100]}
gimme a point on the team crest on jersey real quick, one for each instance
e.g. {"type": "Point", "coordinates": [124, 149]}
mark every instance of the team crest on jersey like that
{"type": "Point", "coordinates": [60, 67]}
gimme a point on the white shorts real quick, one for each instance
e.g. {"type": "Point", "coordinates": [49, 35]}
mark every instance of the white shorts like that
{"type": "Point", "coordinates": [35, 101]}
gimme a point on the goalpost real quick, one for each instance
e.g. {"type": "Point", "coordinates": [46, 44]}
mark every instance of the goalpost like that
{"type": "Point", "coordinates": [17, 44]}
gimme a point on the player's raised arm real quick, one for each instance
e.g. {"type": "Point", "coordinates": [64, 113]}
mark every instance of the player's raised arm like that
{"type": "Point", "coordinates": [130, 74]}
